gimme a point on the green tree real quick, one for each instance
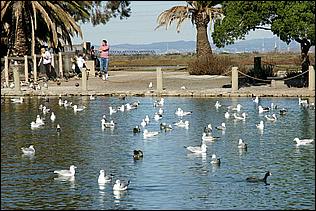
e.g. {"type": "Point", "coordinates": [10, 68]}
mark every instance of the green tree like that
{"type": "Point", "coordinates": [53, 22]}
{"type": "Point", "coordinates": [201, 13]}
{"type": "Point", "coordinates": [289, 20]}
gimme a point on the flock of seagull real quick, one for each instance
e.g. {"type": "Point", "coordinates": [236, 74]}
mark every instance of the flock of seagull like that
{"type": "Point", "coordinates": [207, 134]}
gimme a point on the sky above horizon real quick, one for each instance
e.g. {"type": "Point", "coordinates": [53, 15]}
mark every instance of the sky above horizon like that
{"type": "Point", "coordinates": [139, 28]}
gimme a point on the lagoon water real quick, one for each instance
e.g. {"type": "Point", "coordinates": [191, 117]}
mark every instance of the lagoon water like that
{"type": "Point", "coordinates": [168, 176]}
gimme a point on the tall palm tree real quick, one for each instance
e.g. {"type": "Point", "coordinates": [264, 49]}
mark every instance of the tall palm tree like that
{"type": "Point", "coordinates": [50, 20]}
{"type": "Point", "coordinates": [201, 14]}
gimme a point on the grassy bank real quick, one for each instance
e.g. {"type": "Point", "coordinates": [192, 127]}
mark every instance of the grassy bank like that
{"type": "Point", "coordinates": [280, 61]}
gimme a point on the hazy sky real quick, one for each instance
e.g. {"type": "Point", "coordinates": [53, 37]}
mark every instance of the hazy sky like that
{"type": "Point", "coordinates": [139, 28]}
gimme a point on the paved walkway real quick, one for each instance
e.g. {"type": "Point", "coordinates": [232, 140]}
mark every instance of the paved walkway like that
{"type": "Point", "coordinates": [175, 83]}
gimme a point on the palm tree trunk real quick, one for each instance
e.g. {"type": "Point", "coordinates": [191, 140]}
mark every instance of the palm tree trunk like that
{"type": "Point", "coordinates": [203, 46]}
{"type": "Point", "coordinates": [20, 45]}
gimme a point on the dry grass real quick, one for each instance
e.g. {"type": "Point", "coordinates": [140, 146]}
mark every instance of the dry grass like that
{"type": "Point", "coordinates": [280, 61]}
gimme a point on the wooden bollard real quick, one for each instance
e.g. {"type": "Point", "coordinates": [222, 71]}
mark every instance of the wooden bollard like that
{"type": "Point", "coordinates": [234, 79]}
{"type": "Point", "coordinates": [34, 68]}
{"type": "Point", "coordinates": [16, 76]}
{"type": "Point", "coordinates": [311, 78]}
{"type": "Point", "coordinates": [60, 65]}
{"type": "Point", "coordinates": [26, 69]}
{"type": "Point", "coordinates": [6, 70]}
{"type": "Point", "coordinates": [159, 79]}
{"type": "Point", "coordinates": [84, 79]}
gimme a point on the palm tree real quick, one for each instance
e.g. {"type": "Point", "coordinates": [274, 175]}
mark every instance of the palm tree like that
{"type": "Point", "coordinates": [200, 13]}
{"type": "Point", "coordinates": [50, 20]}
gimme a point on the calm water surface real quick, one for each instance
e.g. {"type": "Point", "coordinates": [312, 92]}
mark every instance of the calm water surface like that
{"type": "Point", "coordinates": [168, 177]}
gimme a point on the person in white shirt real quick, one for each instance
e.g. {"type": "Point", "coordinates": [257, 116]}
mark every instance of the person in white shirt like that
{"type": "Point", "coordinates": [46, 59]}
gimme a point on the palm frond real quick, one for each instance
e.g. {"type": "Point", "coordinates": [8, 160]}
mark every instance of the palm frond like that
{"type": "Point", "coordinates": [176, 14]}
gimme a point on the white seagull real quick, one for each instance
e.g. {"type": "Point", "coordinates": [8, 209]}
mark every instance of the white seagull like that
{"type": "Point", "coordinates": [260, 126]}
{"type": "Point", "coordinates": [221, 127]}
{"type": "Point", "coordinates": [104, 178]}
{"type": "Point", "coordinates": [227, 115]}
{"type": "Point", "coordinates": [52, 117]}
{"type": "Point", "coordinates": [112, 110]}
{"type": "Point", "coordinates": [150, 85]}
{"type": "Point", "coordinates": [272, 118]}
{"type": "Point", "coordinates": [217, 105]}
{"type": "Point", "coordinates": [197, 149]}
{"type": "Point", "coordinates": [119, 186]}
{"type": "Point", "coordinates": [66, 173]}
{"type": "Point", "coordinates": [241, 144]}
{"type": "Point", "coordinates": [17, 100]}
{"type": "Point", "coordinates": [303, 141]}
{"type": "Point", "coordinates": [242, 117]}
{"type": "Point", "coordinates": [105, 124]}
{"type": "Point", "coordinates": [78, 108]}
{"type": "Point", "coordinates": [208, 137]}
{"type": "Point", "coordinates": [215, 160]}
{"type": "Point", "coordinates": [143, 123]}
{"type": "Point", "coordinates": [148, 134]}
{"type": "Point", "coordinates": [182, 124]}
{"type": "Point", "coordinates": [28, 150]}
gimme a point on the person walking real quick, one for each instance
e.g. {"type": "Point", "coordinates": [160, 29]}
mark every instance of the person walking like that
{"type": "Point", "coordinates": [104, 59]}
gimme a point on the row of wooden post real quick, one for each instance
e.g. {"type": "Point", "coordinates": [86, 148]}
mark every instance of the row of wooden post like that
{"type": "Point", "coordinates": [26, 68]}
{"type": "Point", "coordinates": [16, 75]}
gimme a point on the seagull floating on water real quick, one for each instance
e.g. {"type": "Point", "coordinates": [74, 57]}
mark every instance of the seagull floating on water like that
{"type": "Point", "coordinates": [66, 173]}
{"type": "Point", "coordinates": [208, 137]}
{"type": "Point", "coordinates": [260, 125]}
{"type": "Point", "coordinates": [17, 100]}
{"type": "Point", "coordinates": [78, 108]}
{"type": "Point", "coordinates": [271, 118]}
{"type": "Point", "coordinates": [120, 185]}
{"type": "Point", "coordinates": [227, 115]}
{"type": "Point", "coordinates": [148, 134]}
{"type": "Point", "coordinates": [103, 178]}
{"type": "Point", "coordinates": [303, 141]}
{"type": "Point", "coordinates": [112, 110]}
{"type": "Point", "coordinates": [263, 109]}
{"type": "Point", "coordinates": [208, 128]}
{"type": "Point", "coordinates": [217, 105]}
{"type": "Point", "coordinates": [28, 150]}
{"type": "Point", "coordinates": [58, 128]}
{"type": "Point", "coordinates": [92, 97]}
{"type": "Point", "coordinates": [221, 127]}
{"type": "Point", "coordinates": [197, 149]}
{"type": "Point", "coordinates": [143, 123]}
{"type": "Point", "coordinates": [241, 144]}
{"type": "Point", "coordinates": [215, 160]}
{"type": "Point", "coordinates": [105, 124]}
{"type": "Point", "coordinates": [52, 117]}
{"type": "Point", "coordinates": [182, 124]}
{"type": "Point", "coordinates": [242, 117]}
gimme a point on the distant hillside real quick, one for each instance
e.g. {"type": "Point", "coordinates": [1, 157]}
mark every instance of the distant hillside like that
{"type": "Point", "coordinates": [255, 45]}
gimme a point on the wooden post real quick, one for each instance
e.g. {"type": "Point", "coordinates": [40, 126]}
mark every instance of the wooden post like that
{"type": "Point", "coordinates": [16, 76]}
{"type": "Point", "coordinates": [234, 79]}
{"type": "Point", "coordinates": [311, 78]}
{"type": "Point", "coordinates": [84, 79]}
{"type": "Point", "coordinates": [26, 69]}
{"type": "Point", "coordinates": [60, 65]}
{"type": "Point", "coordinates": [159, 79]}
{"type": "Point", "coordinates": [6, 70]}
{"type": "Point", "coordinates": [53, 61]}
{"type": "Point", "coordinates": [34, 68]}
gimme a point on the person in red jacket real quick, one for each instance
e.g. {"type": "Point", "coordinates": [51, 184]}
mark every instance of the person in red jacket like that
{"type": "Point", "coordinates": [104, 59]}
